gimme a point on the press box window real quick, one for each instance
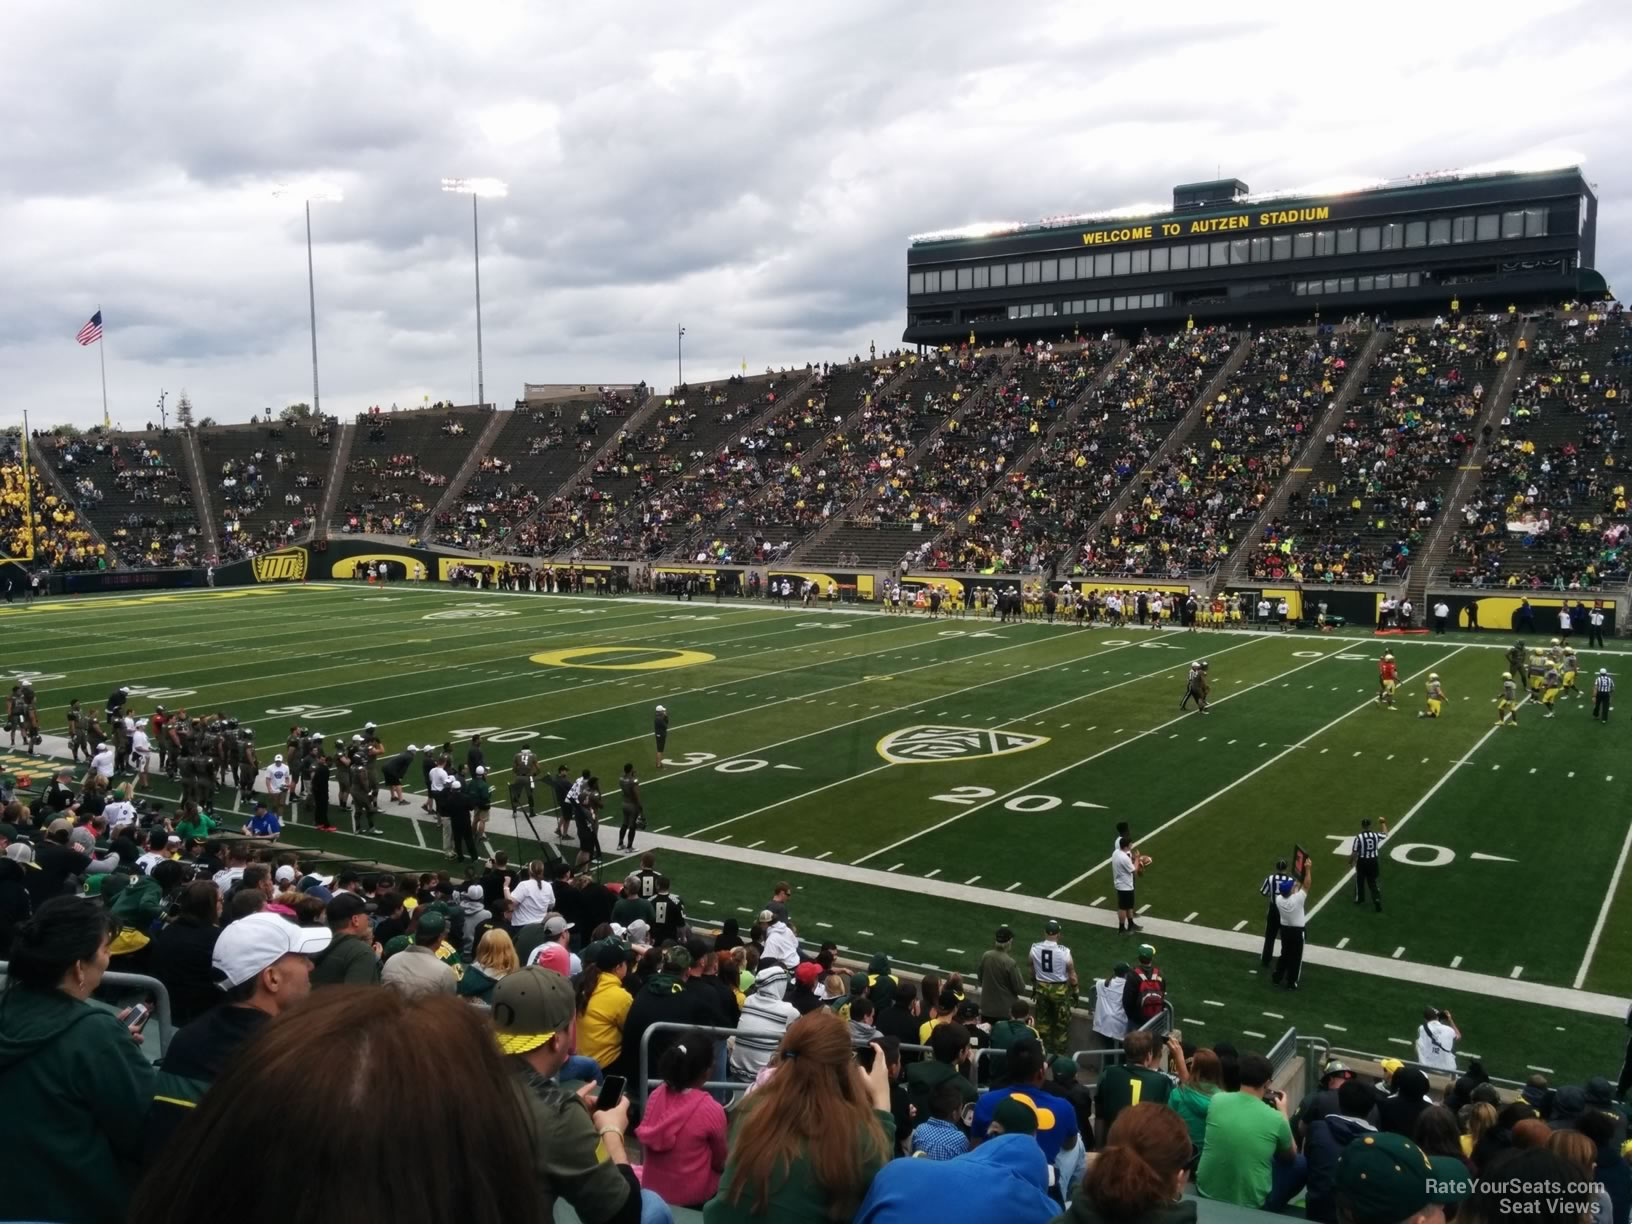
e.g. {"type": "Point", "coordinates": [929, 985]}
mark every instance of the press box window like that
{"type": "Point", "coordinates": [1198, 254]}
{"type": "Point", "coordinates": [1238, 250]}
{"type": "Point", "coordinates": [983, 277]}
{"type": "Point", "coordinates": [915, 282]}
{"type": "Point", "coordinates": [1346, 241]}
{"type": "Point", "coordinates": [1102, 265]}
{"type": "Point", "coordinates": [1489, 225]}
{"type": "Point", "coordinates": [966, 278]}
{"type": "Point", "coordinates": [1085, 266]}
{"type": "Point", "coordinates": [1119, 303]}
{"type": "Point", "coordinates": [1260, 250]}
{"type": "Point", "coordinates": [1416, 233]}
{"type": "Point", "coordinates": [1393, 236]}
{"type": "Point", "coordinates": [1014, 274]}
{"type": "Point", "coordinates": [1119, 263]}
{"type": "Point", "coordinates": [1325, 242]}
{"type": "Point", "coordinates": [999, 275]}
{"type": "Point", "coordinates": [1180, 260]}
{"type": "Point", "coordinates": [1034, 271]}
{"type": "Point", "coordinates": [1303, 245]}
{"type": "Point", "coordinates": [1281, 246]}
{"type": "Point", "coordinates": [1218, 254]}
{"type": "Point", "coordinates": [1370, 237]}
{"type": "Point", "coordinates": [1158, 259]}
{"type": "Point", "coordinates": [1141, 262]}
{"type": "Point", "coordinates": [1051, 270]}
{"type": "Point", "coordinates": [1535, 223]}
{"type": "Point", "coordinates": [1513, 224]}
{"type": "Point", "coordinates": [1439, 231]}
{"type": "Point", "coordinates": [1462, 229]}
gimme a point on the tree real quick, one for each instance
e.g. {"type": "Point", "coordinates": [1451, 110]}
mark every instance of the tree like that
{"type": "Point", "coordinates": [206, 423]}
{"type": "Point", "coordinates": [184, 413]}
{"type": "Point", "coordinates": [294, 414]}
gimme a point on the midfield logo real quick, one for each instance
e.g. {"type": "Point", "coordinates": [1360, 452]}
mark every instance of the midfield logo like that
{"type": "Point", "coordinates": [926, 745]}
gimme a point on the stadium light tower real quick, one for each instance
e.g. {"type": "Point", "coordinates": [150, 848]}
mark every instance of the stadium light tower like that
{"type": "Point", "coordinates": [476, 188]}
{"type": "Point", "coordinates": [323, 193]}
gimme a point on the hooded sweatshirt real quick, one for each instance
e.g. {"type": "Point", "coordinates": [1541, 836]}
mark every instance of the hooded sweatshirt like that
{"type": "Point", "coordinates": [765, 1017]}
{"type": "Point", "coordinates": [683, 1134]}
{"type": "Point", "coordinates": [663, 998]}
{"type": "Point", "coordinates": [1005, 1178]}
{"type": "Point", "coordinates": [1328, 1137]}
{"type": "Point", "coordinates": [72, 1071]}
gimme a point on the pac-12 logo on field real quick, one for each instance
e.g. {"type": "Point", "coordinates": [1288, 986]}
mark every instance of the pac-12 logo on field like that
{"type": "Point", "coordinates": [926, 745]}
{"type": "Point", "coordinates": [286, 565]}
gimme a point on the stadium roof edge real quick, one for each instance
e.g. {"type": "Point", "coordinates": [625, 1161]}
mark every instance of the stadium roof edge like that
{"type": "Point", "coordinates": [996, 229]}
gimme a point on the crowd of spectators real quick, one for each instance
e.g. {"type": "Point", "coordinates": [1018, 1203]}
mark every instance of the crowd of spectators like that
{"type": "Point", "coordinates": [495, 1007]}
{"type": "Point", "coordinates": [29, 508]}
{"type": "Point", "coordinates": [1550, 509]}
{"type": "Point", "coordinates": [1187, 515]}
{"type": "Point", "coordinates": [132, 491]}
{"type": "Point", "coordinates": [1388, 467]}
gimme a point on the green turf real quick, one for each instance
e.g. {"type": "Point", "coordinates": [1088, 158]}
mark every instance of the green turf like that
{"type": "Point", "coordinates": [775, 748]}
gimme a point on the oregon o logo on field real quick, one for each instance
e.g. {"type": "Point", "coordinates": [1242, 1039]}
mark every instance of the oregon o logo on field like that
{"type": "Point", "coordinates": [622, 658]}
{"type": "Point", "coordinates": [927, 745]}
{"type": "Point", "coordinates": [286, 565]}
{"type": "Point", "coordinates": [468, 614]}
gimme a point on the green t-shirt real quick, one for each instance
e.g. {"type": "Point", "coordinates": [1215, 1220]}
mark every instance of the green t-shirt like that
{"type": "Point", "coordinates": [796, 1199]}
{"type": "Point", "coordinates": [201, 826]}
{"type": "Point", "coordinates": [1191, 1104]}
{"type": "Point", "coordinates": [1244, 1133]}
{"type": "Point", "coordinates": [1121, 1086]}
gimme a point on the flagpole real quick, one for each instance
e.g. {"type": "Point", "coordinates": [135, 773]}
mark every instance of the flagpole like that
{"type": "Point", "coordinates": [101, 361]}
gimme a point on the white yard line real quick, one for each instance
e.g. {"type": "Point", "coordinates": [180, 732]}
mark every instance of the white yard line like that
{"type": "Point", "coordinates": [1091, 757]}
{"type": "Point", "coordinates": [1603, 910]}
{"type": "Point", "coordinates": [1254, 772]}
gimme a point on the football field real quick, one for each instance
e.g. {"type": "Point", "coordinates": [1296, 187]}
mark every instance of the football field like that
{"type": "Point", "coordinates": [921, 781]}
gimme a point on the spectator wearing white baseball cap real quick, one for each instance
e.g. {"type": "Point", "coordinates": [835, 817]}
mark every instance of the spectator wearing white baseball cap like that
{"type": "Point", "coordinates": [278, 782]}
{"type": "Point", "coordinates": [263, 962]}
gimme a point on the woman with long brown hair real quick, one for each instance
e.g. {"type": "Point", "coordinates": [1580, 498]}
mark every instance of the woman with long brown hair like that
{"type": "Point", "coordinates": [1139, 1176]}
{"type": "Point", "coordinates": [810, 1139]}
{"type": "Point", "coordinates": [398, 1108]}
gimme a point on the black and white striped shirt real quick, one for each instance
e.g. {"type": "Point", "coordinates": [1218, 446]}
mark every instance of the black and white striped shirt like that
{"type": "Point", "coordinates": [1603, 684]}
{"type": "Point", "coordinates": [1271, 887]}
{"type": "Point", "coordinates": [1365, 844]}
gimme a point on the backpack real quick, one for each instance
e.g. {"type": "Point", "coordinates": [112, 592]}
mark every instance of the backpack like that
{"type": "Point", "coordinates": [1151, 992]}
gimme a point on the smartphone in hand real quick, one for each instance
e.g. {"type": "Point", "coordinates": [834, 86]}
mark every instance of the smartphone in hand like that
{"type": "Point", "coordinates": [611, 1093]}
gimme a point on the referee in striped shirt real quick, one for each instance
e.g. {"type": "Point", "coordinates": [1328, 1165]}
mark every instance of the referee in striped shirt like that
{"type": "Point", "coordinates": [1363, 858]}
{"type": "Point", "coordinates": [1603, 687]}
{"type": "Point", "coordinates": [1271, 888]}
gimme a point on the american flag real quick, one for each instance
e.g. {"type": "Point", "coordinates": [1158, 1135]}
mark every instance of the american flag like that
{"type": "Point", "coordinates": [92, 331]}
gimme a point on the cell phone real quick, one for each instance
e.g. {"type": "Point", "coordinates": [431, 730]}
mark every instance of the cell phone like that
{"type": "Point", "coordinates": [611, 1093]}
{"type": "Point", "coordinates": [138, 1017]}
{"type": "Point", "coordinates": [865, 1056]}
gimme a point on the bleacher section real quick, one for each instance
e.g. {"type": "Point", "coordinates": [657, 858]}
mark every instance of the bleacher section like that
{"type": "Point", "coordinates": [1188, 515]}
{"type": "Point", "coordinates": [135, 490]}
{"type": "Point", "coordinates": [400, 463]}
{"type": "Point", "coordinates": [1550, 509]}
{"type": "Point", "coordinates": [1385, 473]}
{"type": "Point", "coordinates": [640, 503]}
{"type": "Point", "coordinates": [999, 424]}
{"type": "Point", "coordinates": [538, 447]}
{"type": "Point", "coordinates": [265, 482]}
{"type": "Point", "coordinates": [872, 459]}
{"type": "Point", "coordinates": [60, 541]}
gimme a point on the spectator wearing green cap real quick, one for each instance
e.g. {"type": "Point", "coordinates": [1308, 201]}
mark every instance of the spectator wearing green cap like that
{"type": "Point", "coordinates": [417, 969]}
{"type": "Point", "coordinates": [535, 1018]}
{"type": "Point", "coordinates": [1005, 1033]}
{"type": "Point", "coordinates": [661, 999]}
{"type": "Point", "coordinates": [603, 1003]}
{"type": "Point", "coordinates": [1000, 980]}
{"type": "Point", "coordinates": [1386, 1179]}
{"type": "Point", "coordinates": [1144, 991]}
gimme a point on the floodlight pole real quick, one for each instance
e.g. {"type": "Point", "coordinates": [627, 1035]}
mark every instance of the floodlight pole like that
{"type": "Point", "coordinates": [476, 239]}
{"type": "Point", "coordinates": [679, 356]}
{"type": "Point", "coordinates": [311, 303]}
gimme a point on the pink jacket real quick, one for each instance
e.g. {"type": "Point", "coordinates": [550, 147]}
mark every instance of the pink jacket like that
{"type": "Point", "coordinates": [683, 1134]}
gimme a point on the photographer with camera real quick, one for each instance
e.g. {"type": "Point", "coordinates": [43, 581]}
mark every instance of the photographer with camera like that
{"type": "Point", "coordinates": [1249, 1158]}
{"type": "Point", "coordinates": [1437, 1036]}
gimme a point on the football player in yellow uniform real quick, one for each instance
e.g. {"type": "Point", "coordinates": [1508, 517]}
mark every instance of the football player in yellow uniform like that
{"type": "Point", "coordinates": [1507, 705]}
{"type": "Point", "coordinates": [1436, 697]}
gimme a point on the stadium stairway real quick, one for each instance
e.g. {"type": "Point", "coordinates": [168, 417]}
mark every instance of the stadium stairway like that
{"type": "Point", "coordinates": [883, 544]}
{"type": "Point", "coordinates": [1180, 433]}
{"type": "Point", "coordinates": [335, 477]}
{"type": "Point", "coordinates": [834, 396]}
{"type": "Point", "coordinates": [1068, 418]}
{"type": "Point", "coordinates": [201, 495]}
{"type": "Point", "coordinates": [495, 424]}
{"type": "Point", "coordinates": [1305, 465]}
{"type": "Point", "coordinates": [1443, 530]}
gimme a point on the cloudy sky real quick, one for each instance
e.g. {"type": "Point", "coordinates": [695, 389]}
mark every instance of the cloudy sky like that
{"type": "Point", "coordinates": [753, 177]}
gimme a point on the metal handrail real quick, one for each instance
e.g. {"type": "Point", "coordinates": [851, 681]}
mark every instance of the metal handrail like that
{"type": "Point", "coordinates": [643, 1060]}
{"type": "Point", "coordinates": [1281, 1052]}
{"type": "Point", "coordinates": [164, 1026]}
